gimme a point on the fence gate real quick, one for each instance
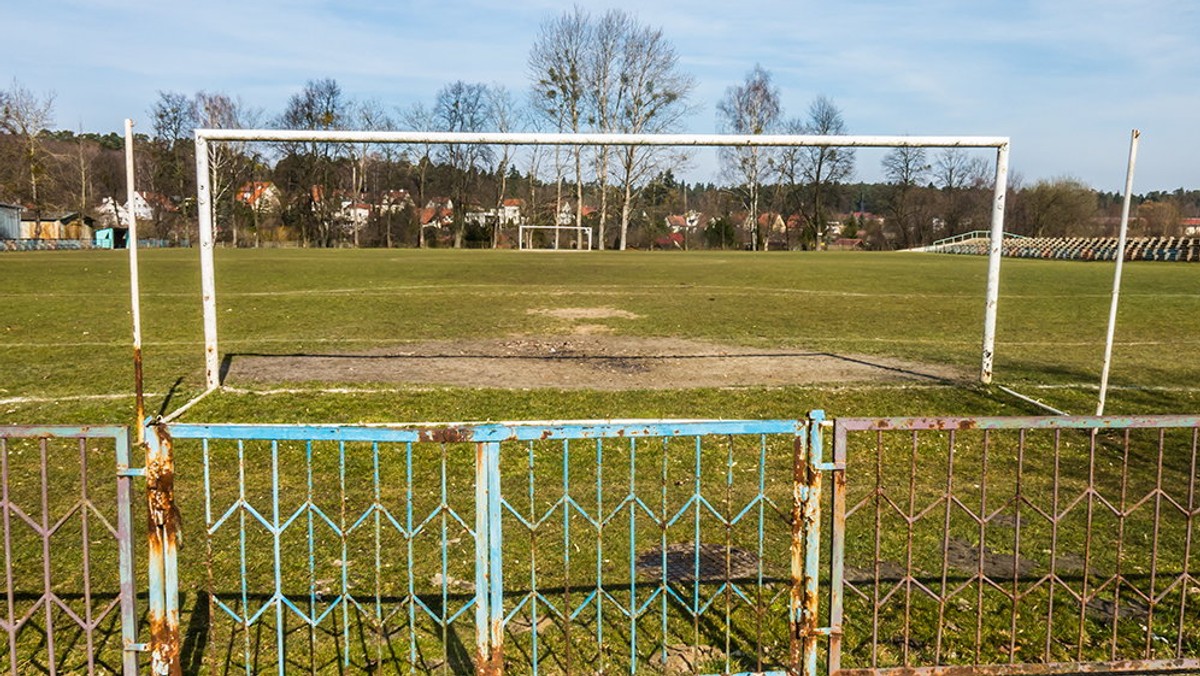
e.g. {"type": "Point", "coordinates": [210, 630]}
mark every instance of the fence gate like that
{"type": "Point", "coordinates": [1014, 545]}
{"type": "Point", "coordinates": [541, 547]}
{"type": "Point", "coordinates": [68, 554]}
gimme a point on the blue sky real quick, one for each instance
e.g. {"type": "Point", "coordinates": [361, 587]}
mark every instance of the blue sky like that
{"type": "Point", "coordinates": [1067, 80]}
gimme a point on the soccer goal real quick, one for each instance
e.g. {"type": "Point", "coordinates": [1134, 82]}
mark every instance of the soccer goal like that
{"type": "Point", "coordinates": [204, 138]}
{"type": "Point", "coordinates": [525, 236]}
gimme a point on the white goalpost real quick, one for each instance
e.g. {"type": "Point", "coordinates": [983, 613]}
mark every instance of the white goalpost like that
{"type": "Point", "coordinates": [525, 235]}
{"type": "Point", "coordinates": [205, 137]}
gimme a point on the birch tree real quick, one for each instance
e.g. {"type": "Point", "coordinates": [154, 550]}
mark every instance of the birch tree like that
{"type": "Point", "coordinates": [751, 107]}
{"type": "Point", "coordinates": [652, 98]}
{"type": "Point", "coordinates": [556, 67]}
{"type": "Point", "coordinates": [229, 162]}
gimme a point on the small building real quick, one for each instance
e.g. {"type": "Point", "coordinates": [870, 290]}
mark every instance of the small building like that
{"type": "Point", "coordinates": [60, 226]}
{"type": "Point", "coordinates": [112, 238]}
{"type": "Point", "coordinates": [10, 221]}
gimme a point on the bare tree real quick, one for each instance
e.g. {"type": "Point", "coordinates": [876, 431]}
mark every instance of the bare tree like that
{"type": "Point", "coordinates": [556, 66]}
{"type": "Point", "coordinates": [964, 183]}
{"type": "Point", "coordinates": [751, 107]}
{"type": "Point", "coordinates": [652, 98]}
{"type": "Point", "coordinates": [229, 163]}
{"type": "Point", "coordinates": [813, 174]}
{"type": "Point", "coordinates": [28, 116]}
{"type": "Point", "coordinates": [309, 166]}
{"type": "Point", "coordinates": [463, 107]}
{"type": "Point", "coordinates": [420, 118]}
{"type": "Point", "coordinates": [605, 85]}
{"type": "Point", "coordinates": [367, 116]}
{"type": "Point", "coordinates": [505, 117]}
{"type": "Point", "coordinates": [907, 169]}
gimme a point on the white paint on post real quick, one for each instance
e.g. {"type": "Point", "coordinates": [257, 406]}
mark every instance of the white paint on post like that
{"type": "Point", "coordinates": [1116, 291]}
{"type": "Point", "coordinates": [692, 140]}
{"type": "Point", "coordinates": [993, 282]}
{"type": "Point", "coordinates": [135, 292]}
{"type": "Point", "coordinates": [208, 287]}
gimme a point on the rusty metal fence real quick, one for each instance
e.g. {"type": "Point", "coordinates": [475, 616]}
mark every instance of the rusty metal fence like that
{"type": "Point", "coordinates": [1014, 545]}
{"type": "Point", "coordinates": [69, 584]}
{"type": "Point", "coordinates": [953, 545]}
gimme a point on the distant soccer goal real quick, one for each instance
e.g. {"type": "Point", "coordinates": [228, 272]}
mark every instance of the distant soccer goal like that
{"type": "Point", "coordinates": [526, 239]}
{"type": "Point", "coordinates": [205, 137]}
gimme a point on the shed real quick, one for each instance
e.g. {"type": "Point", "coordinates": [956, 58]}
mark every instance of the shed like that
{"type": "Point", "coordinates": [111, 238]}
{"type": "Point", "coordinates": [57, 226]}
{"type": "Point", "coordinates": [10, 221]}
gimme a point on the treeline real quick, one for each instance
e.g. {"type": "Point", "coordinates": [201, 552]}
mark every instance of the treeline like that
{"type": "Point", "coordinates": [603, 73]}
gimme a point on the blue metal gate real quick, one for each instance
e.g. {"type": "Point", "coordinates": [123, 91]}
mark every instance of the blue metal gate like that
{"type": "Point", "coordinates": [573, 547]}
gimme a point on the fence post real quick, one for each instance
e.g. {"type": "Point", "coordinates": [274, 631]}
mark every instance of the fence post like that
{"type": "Point", "coordinates": [489, 589]}
{"type": "Point", "coordinates": [806, 545]}
{"type": "Point", "coordinates": [125, 556]}
{"type": "Point", "coordinates": [162, 571]}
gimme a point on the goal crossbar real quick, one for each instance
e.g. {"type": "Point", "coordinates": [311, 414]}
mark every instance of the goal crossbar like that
{"type": "Point", "coordinates": [562, 139]}
{"type": "Point", "coordinates": [204, 188]}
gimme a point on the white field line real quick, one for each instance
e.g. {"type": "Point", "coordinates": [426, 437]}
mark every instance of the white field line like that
{"type": "Point", "coordinates": [596, 290]}
{"type": "Point", "coordinates": [399, 343]}
{"type": "Point", "coordinates": [8, 401]}
{"type": "Point", "coordinates": [74, 397]}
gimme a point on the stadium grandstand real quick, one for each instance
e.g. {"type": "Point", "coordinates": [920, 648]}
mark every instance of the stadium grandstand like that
{"type": "Point", "coordinates": [1172, 249]}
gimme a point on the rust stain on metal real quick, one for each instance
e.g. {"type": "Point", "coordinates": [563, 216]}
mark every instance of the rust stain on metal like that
{"type": "Point", "coordinates": [446, 435]}
{"type": "Point", "coordinates": [139, 393]}
{"type": "Point", "coordinates": [164, 524]}
{"type": "Point", "coordinates": [160, 486]}
{"type": "Point", "coordinates": [494, 664]}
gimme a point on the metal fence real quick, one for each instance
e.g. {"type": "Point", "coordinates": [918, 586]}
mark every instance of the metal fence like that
{"type": "Point", "coordinates": [954, 545]}
{"type": "Point", "coordinates": [68, 556]}
{"type": "Point", "coordinates": [552, 548]}
{"type": "Point", "coordinates": [1014, 545]}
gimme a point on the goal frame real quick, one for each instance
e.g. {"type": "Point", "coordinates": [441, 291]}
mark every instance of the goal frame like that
{"type": "Point", "coordinates": [581, 231]}
{"type": "Point", "coordinates": [205, 137]}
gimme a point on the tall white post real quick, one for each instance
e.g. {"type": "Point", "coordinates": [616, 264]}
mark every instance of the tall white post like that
{"type": "Point", "coordinates": [993, 283]}
{"type": "Point", "coordinates": [135, 290]}
{"type": "Point", "coordinates": [1116, 292]}
{"type": "Point", "coordinates": [208, 287]}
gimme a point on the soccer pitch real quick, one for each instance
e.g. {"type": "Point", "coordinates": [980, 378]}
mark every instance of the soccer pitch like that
{"type": "Point", "coordinates": [408, 335]}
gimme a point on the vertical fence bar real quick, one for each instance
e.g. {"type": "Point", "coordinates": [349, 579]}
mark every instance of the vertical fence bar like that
{"type": "Point", "coordinates": [10, 626]}
{"type": "Point", "coordinates": [47, 580]}
{"type": "Point", "coordinates": [837, 549]}
{"type": "Point", "coordinates": [495, 542]}
{"type": "Point", "coordinates": [125, 555]}
{"type": "Point", "coordinates": [806, 544]}
{"type": "Point", "coordinates": [163, 520]}
{"type": "Point", "coordinates": [482, 571]}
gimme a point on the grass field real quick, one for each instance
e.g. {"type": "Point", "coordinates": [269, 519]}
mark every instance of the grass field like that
{"type": "Point", "coordinates": [66, 358]}
{"type": "Point", "coordinates": [65, 354]}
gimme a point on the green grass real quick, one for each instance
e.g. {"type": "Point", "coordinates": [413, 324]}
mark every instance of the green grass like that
{"type": "Point", "coordinates": [66, 327]}
{"type": "Point", "coordinates": [65, 357]}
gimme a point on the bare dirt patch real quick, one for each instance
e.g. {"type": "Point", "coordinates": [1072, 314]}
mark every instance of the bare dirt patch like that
{"type": "Point", "coordinates": [580, 361]}
{"type": "Point", "coordinates": [578, 313]}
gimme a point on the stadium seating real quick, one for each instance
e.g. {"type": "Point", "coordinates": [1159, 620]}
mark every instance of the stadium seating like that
{"type": "Point", "coordinates": [1165, 249]}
